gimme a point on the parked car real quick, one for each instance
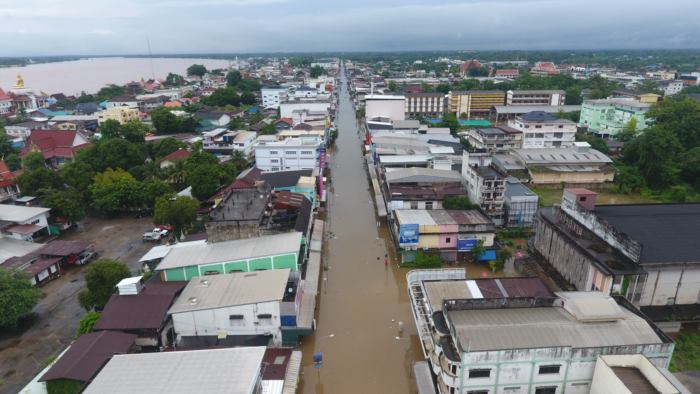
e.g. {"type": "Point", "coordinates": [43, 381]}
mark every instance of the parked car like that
{"type": "Point", "coordinates": [86, 257]}
{"type": "Point", "coordinates": [152, 236]}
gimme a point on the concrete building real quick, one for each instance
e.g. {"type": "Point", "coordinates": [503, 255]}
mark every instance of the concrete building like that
{"type": "Point", "coordinates": [277, 251]}
{"type": "Point", "coordinates": [430, 105]}
{"type": "Point", "coordinates": [608, 117]}
{"type": "Point", "coordinates": [475, 104]}
{"type": "Point", "coordinates": [420, 188]}
{"type": "Point", "coordinates": [494, 139]}
{"type": "Point", "coordinates": [228, 142]}
{"type": "Point", "coordinates": [291, 154]}
{"type": "Point", "coordinates": [578, 165]}
{"type": "Point", "coordinates": [238, 308]}
{"type": "Point", "coordinates": [23, 223]}
{"type": "Point", "coordinates": [5, 103]}
{"type": "Point", "coordinates": [120, 114]}
{"type": "Point", "coordinates": [273, 96]}
{"type": "Point", "coordinates": [385, 106]}
{"type": "Point", "coordinates": [451, 233]}
{"type": "Point", "coordinates": [503, 113]}
{"type": "Point", "coordinates": [544, 130]}
{"type": "Point", "coordinates": [520, 204]}
{"type": "Point", "coordinates": [536, 97]}
{"type": "Point", "coordinates": [671, 87]}
{"type": "Point", "coordinates": [645, 252]}
{"type": "Point", "coordinates": [540, 345]}
{"type": "Point", "coordinates": [9, 189]}
{"type": "Point", "coordinates": [287, 108]}
{"type": "Point", "coordinates": [232, 370]}
{"type": "Point", "coordinates": [485, 184]}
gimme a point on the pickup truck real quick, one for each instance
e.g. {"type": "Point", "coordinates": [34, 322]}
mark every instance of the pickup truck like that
{"type": "Point", "coordinates": [152, 236]}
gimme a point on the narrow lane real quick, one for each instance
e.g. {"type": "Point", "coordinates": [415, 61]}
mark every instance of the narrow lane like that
{"type": "Point", "coordinates": [362, 300]}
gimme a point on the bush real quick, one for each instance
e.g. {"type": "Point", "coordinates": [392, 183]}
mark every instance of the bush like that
{"type": "Point", "coordinates": [424, 261]}
{"type": "Point", "coordinates": [87, 322]}
{"type": "Point", "coordinates": [17, 297]}
{"type": "Point", "coordinates": [458, 203]}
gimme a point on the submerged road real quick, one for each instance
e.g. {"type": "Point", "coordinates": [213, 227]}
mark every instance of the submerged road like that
{"type": "Point", "coordinates": [361, 301]}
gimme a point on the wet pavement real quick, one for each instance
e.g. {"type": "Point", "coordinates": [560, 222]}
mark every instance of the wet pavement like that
{"type": "Point", "coordinates": [362, 300]}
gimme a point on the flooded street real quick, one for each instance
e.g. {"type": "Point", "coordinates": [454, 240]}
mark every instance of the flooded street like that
{"type": "Point", "coordinates": [361, 300]}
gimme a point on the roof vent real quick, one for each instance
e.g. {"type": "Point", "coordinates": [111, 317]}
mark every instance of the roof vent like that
{"type": "Point", "coordinates": [204, 282]}
{"type": "Point", "coordinates": [193, 300]}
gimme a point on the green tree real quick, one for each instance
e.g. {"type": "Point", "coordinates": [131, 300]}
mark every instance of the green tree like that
{"type": "Point", "coordinates": [222, 97]}
{"type": "Point", "coordinates": [478, 72]}
{"type": "Point", "coordinates": [461, 203]}
{"type": "Point", "coordinates": [67, 203]}
{"type": "Point", "coordinates": [655, 154]}
{"type": "Point", "coordinates": [629, 131]}
{"type": "Point", "coordinates": [233, 78]}
{"type": "Point", "coordinates": [392, 86]}
{"type": "Point", "coordinates": [317, 71]}
{"type": "Point", "coordinates": [629, 180]}
{"type": "Point", "coordinates": [205, 180]}
{"type": "Point", "coordinates": [31, 182]}
{"type": "Point", "coordinates": [116, 191]}
{"type": "Point", "coordinates": [17, 296]}
{"type": "Point", "coordinates": [87, 322]}
{"type": "Point", "coordinates": [101, 278]}
{"type": "Point", "coordinates": [573, 95]}
{"type": "Point", "coordinates": [134, 131]}
{"type": "Point", "coordinates": [174, 80]}
{"type": "Point", "coordinates": [450, 121]}
{"type": "Point", "coordinates": [179, 212]}
{"type": "Point", "coordinates": [110, 128]}
{"type": "Point", "coordinates": [690, 166]}
{"type": "Point", "coordinates": [164, 121]}
{"type": "Point", "coordinates": [236, 124]}
{"type": "Point", "coordinates": [166, 146]}
{"type": "Point", "coordinates": [113, 153]}
{"type": "Point", "coordinates": [596, 143]}
{"type": "Point", "coordinates": [478, 250]}
{"type": "Point", "coordinates": [268, 130]}
{"type": "Point", "coordinates": [196, 69]}
{"type": "Point", "coordinates": [248, 98]}
{"type": "Point", "coordinates": [680, 116]}
{"type": "Point", "coordinates": [13, 161]}
{"type": "Point", "coordinates": [5, 143]}
{"type": "Point", "coordinates": [77, 174]}
{"type": "Point", "coordinates": [109, 92]}
{"type": "Point", "coordinates": [33, 161]}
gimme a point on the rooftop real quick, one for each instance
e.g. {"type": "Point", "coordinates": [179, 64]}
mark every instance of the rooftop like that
{"type": "Point", "coordinates": [433, 217]}
{"type": "Point", "coordinates": [239, 249]}
{"type": "Point", "coordinates": [231, 371]}
{"type": "Point", "coordinates": [668, 232]}
{"type": "Point", "coordinates": [18, 213]}
{"type": "Point", "coordinates": [542, 116]}
{"type": "Point", "coordinates": [88, 354]}
{"type": "Point", "coordinates": [438, 291]}
{"type": "Point", "coordinates": [541, 326]}
{"type": "Point", "coordinates": [550, 156]}
{"type": "Point", "coordinates": [218, 291]}
{"type": "Point", "coordinates": [422, 175]}
{"type": "Point", "coordinates": [620, 101]}
{"type": "Point", "coordinates": [522, 109]}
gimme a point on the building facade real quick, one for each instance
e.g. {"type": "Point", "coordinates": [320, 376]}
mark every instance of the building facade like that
{"type": "Point", "coordinates": [495, 139]}
{"type": "Point", "coordinates": [120, 114]}
{"type": "Point", "coordinates": [273, 96]}
{"type": "Point", "coordinates": [485, 184]}
{"type": "Point", "coordinates": [544, 130]}
{"type": "Point", "coordinates": [475, 104]}
{"type": "Point", "coordinates": [291, 154]}
{"type": "Point", "coordinates": [536, 97]}
{"type": "Point", "coordinates": [385, 106]}
{"type": "Point", "coordinates": [425, 104]}
{"type": "Point", "coordinates": [608, 117]}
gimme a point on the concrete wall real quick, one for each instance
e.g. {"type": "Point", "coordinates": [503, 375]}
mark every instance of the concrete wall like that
{"type": "Point", "coordinates": [392, 109]}
{"type": "Point", "coordinates": [213, 321]}
{"type": "Point", "coordinates": [566, 259]}
{"type": "Point", "coordinates": [671, 285]}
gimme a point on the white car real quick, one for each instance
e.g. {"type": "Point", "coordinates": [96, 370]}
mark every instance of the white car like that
{"type": "Point", "coordinates": [152, 236]}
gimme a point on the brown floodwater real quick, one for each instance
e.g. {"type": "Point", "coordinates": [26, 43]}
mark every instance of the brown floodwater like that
{"type": "Point", "coordinates": [362, 301]}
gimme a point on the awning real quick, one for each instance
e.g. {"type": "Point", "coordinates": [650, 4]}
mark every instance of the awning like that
{"type": "Point", "coordinates": [24, 229]}
{"type": "Point", "coordinates": [488, 255]}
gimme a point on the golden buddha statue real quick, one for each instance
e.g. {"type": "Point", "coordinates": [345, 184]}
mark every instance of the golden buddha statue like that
{"type": "Point", "coordinates": [20, 82]}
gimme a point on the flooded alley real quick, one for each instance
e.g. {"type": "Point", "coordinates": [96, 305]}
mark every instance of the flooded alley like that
{"type": "Point", "coordinates": [362, 301]}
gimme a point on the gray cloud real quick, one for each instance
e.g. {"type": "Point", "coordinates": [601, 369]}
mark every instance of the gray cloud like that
{"type": "Point", "coordinates": [35, 27]}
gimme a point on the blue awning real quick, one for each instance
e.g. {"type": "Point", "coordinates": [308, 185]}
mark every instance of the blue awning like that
{"type": "Point", "coordinates": [488, 255]}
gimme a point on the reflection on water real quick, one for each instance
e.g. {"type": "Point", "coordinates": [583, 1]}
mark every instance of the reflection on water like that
{"type": "Point", "coordinates": [363, 299]}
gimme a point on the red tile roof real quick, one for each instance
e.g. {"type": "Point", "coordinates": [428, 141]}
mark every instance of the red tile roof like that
{"type": "Point", "coordinates": [179, 154]}
{"type": "Point", "coordinates": [4, 96]}
{"type": "Point", "coordinates": [7, 178]}
{"type": "Point", "coordinates": [288, 121]}
{"type": "Point", "coordinates": [53, 143]}
{"type": "Point", "coordinates": [88, 354]}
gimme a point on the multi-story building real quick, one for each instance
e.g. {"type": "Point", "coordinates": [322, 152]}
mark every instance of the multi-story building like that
{"type": "Point", "coordinates": [672, 87]}
{"type": "Point", "coordinates": [451, 233]}
{"type": "Point", "coordinates": [544, 130]}
{"type": "Point", "coordinates": [262, 303]}
{"type": "Point", "coordinates": [425, 104]}
{"type": "Point", "coordinates": [646, 252]}
{"type": "Point", "coordinates": [273, 96]}
{"type": "Point", "coordinates": [608, 117]}
{"type": "Point", "coordinates": [535, 97]}
{"type": "Point", "coordinates": [485, 184]}
{"type": "Point", "coordinates": [420, 188]}
{"type": "Point", "coordinates": [291, 154]}
{"type": "Point", "coordinates": [120, 114]}
{"type": "Point", "coordinates": [5, 103]}
{"type": "Point", "coordinates": [545, 69]}
{"type": "Point", "coordinates": [510, 73]}
{"type": "Point", "coordinates": [474, 104]}
{"type": "Point", "coordinates": [495, 139]}
{"type": "Point", "coordinates": [385, 106]}
{"type": "Point", "coordinates": [520, 204]}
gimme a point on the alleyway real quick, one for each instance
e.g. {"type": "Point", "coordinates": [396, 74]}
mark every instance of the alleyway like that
{"type": "Point", "coordinates": [362, 300]}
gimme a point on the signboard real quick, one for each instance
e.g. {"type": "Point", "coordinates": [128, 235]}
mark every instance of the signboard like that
{"type": "Point", "coordinates": [464, 245]}
{"type": "Point", "coordinates": [322, 156]}
{"type": "Point", "coordinates": [408, 235]}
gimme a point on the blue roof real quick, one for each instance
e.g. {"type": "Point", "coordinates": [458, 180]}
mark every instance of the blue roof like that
{"type": "Point", "coordinates": [488, 255]}
{"type": "Point", "coordinates": [253, 110]}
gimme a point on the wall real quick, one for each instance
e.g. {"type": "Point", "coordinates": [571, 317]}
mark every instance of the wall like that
{"type": "Point", "coordinates": [287, 108]}
{"type": "Point", "coordinates": [671, 285]}
{"type": "Point", "coordinates": [564, 257]}
{"type": "Point", "coordinates": [212, 321]}
{"type": "Point", "coordinates": [543, 176]}
{"type": "Point", "coordinates": [392, 109]}
{"type": "Point", "coordinates": [248, 265]}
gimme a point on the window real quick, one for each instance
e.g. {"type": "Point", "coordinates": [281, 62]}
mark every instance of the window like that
{"type": "Point", "coordinates": [515, 388]}
{"type": "Point", "coordinates": [414, 205]}
{"type": "Point", "coordinates": [206, 273]}
{"type": "Point", "coordinates": [582, 198]}
{"type": "Point", "coordinates": [448, 239]}
{"type": "Point", "coordinates": [290, 152]}
{"type": "Point", "coordinates": [547, 369]}
{"type": "Point", "coordinates": [479, 373]}
{"type": "Point", "coordinates": [307, 152]}
{"type": "Point", "coordinates": [274, 152]}
{"type": "Point", "coordinates": [274, 160]}
{"type": "Point", "coordinates": [539, 126]}
{"type": "Point", "coordinates": [546, 390]}
{"type": "Point", "coordinates": [236, 320]}
{"type": "Point", "coordinates": [265, 318]}
{"type": "Point", "coordinates": [429, 205]}
{"type": "Point", "coordinates": [478, 392]}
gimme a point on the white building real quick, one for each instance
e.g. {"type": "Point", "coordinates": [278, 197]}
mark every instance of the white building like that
{"type": "Point", "coordinates": [389, 107]}
{"type": "Point", "coordinates": [485, 185]}
{"type": "Point", "coordinates": [287, 108]}
{"type": "Point", "coordinates": [304, 92]}
{"type": "Point", "coordinates": [243, 305]}
{"type": "Point", "coordinates": [273, 96]}
{"type": "Point", "coordinates": [545, 345]}
{"type": "Point", "coordinates": [291, 154]}
{"type": "Point", "coordinates": [543, 130]}
{"type": "Point", "coordinates": [22, 222]}
{"type": "Point", "coordinates": [672, 87]}
{"type": "Point", "coordinates": [231, 370]}
{"type": "Point", "coordinates": [633, 374]}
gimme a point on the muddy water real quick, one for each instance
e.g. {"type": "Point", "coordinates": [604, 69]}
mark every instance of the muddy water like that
{"type": "Point", "coordinates": [361, 300]}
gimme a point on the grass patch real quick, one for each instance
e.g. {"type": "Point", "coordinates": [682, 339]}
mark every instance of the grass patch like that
{"type": "Point", "coordinates": [686, 355]}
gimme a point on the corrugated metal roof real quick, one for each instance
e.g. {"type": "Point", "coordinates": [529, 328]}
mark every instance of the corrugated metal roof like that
{"type": "Point", "coordinates": [17, 213]}
{"type": "Point", "coordinates": [160, 251]}
{"type": "Point", "coordinates": [217, 291]}
{"type": "Point", "coordinates": [521, 328]}
{"type": "Point", "coordinates": [219, 252]}
{"type": "Point", "coordinates": [232, 370]}
{"type": "Point", "coordinates": [417, 174]}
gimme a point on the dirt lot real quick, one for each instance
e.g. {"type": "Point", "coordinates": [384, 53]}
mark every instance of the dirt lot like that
{"type": "Point", "coordinates": [23, 355]}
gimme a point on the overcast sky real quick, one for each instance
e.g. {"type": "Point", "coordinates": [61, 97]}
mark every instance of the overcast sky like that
{"type": "Point", "coordinates": [56, 27]}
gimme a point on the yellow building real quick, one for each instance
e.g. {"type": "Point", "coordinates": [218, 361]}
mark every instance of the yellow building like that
{"type": "Point", "coordinates": [120, 114]}
{"type": "Point", "coordinates": [475, 104]}
{"type": "Point", "coordinates": [649, 98]}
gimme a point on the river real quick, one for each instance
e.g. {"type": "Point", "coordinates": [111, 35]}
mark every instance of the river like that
{"type": "Point", "coordinates": [89, 75]}
{"type": "Point", "coordinates": [362, 300]}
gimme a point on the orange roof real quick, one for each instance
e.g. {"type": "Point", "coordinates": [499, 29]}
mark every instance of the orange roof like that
{"type": "Point", "coordinates": [179, 154]}
{"type": "Point", "coordinates": [4, 96]}
{"type": "Point", "coordinates": [173, 104]}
